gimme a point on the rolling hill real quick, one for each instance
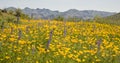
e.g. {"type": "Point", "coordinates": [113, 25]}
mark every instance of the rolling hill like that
{"type": "Point", "coordinates": [113, 19]}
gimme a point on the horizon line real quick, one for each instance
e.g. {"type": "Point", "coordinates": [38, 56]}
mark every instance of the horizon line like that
{"type": "Point", "coordinates": [64, 10]}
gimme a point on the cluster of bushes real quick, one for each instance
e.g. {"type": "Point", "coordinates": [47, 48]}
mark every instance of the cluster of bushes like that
{"type": "Point", "coordinates": [61, 18]}
{"type": "Point", "coordinates": [12, 15]}
{"type": "Point", "coordinates": [109, 20]}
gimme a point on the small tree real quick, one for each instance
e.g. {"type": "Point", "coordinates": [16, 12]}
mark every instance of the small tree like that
{"type": "Point", "coordinates": [59, 18]}
{"type": "Point", "coordinates": [18, 13]}
{"type": "Point", "coordinates": [97, 18]}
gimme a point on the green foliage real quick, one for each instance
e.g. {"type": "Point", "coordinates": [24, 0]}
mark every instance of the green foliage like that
{"type": "Point", "coordinates": [97, 18]}
{"type": "Point", "coordinates": [24, 16]}
{"type": "Point", "coordinates": [59, 18]}
{"type": "Point", "coordinates": [20, 15]}
{"type": "Point", "coordinates": [13, 16]}
{"type": "Point", "coordinates": [73, 19]}
{"type": "Point", "coordinates": [11, 12]}
{"type": "Point", "coordinates": [114, 19]}
{"type": "Point", "coordinates": [10, 19]}
{"type": "Point", "coordinates": [7, 18]}
{"type": "Point", "coordinates": [18, 12]}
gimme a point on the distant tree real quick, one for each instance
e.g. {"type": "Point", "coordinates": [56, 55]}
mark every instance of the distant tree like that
{"type": "Point", "coordinates": [75, 19]}
{"type": "Point", "coordinates": [97, 18]}
{"type": "Point", "coordinates": [18, 13]}
{"type": "Point", "coordinates": [59, 18]}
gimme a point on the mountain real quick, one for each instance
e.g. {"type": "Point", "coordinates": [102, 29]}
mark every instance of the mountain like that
{"type": "Point", "coordinates": [11, 8]}
{"type": "Point", "coordinates": [49, 14]}
{"type": "Point", "coordinates": [41, 13]}
{"type": "Point", "coordinates": [86, 14]}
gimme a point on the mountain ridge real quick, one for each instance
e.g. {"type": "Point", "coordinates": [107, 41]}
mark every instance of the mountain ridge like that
{"type": "Point", "coordinates": [49, 14]}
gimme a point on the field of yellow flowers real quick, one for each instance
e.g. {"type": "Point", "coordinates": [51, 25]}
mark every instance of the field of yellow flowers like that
{"type": "Point", "coordinates": [45, 41]}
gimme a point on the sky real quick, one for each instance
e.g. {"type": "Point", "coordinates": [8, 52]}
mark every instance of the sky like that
{"type": "Point", "coordinates": [64, 5]}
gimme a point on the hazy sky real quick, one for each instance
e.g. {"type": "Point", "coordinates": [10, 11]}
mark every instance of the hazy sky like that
{"type": "Point", "coordinates": [64, 5]}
